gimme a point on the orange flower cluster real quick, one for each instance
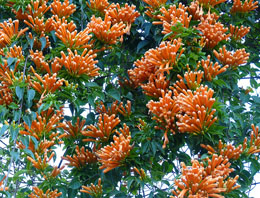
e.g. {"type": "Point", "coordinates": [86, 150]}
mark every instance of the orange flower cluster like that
{"type": "Point", "coordinates": [125, 14]}
{"type": "Point", "coordinates": [141, 173]}
{"type": "Point", "coordinates": [104, 31]}
{"type": "Point", "coordinates": [210, 3]}
{"type": "Point", "coordinates": [39, 25]}
{"type": "Point", "coordinates": [15, 52]}
{"type": "Point", "coordinates": [226, 150]}
{"type": "Point", "coordinates": [38, 193]}
{"type": "Point", "coordinates": [238, 32]}
{"type": "Point", "coordinates": [55, 172]}
{"type": "Point", "coordinates": [214, 32]}
{"type": "Point", "coordinates": [49, 84]}
{"type": "Point", "coordinates": [254, 141]}
{"type": "Point", "coordinates": [92, 190]}
{"type": "Point", "coordinates": [81, 158]}
{"type": "Point", "coordinates": [158, 60]}
{"type": "Point", "coordinates": [155, 86]}
{"type": "Point", "coordinates": [9, 32]}
{"type": "Point", "coordinates": [248, 5]}
{"type": "Point", "coordinates": [115, 108]}
{"type": "Point", "coordinates": [1, 183]}
{"type": "Point", "coordinates": [191, 81]}
{"type": "Point", "coordinates": [196, 113]}
{"type": "Point", "coordinates": [210, 70]}
{"type": "Point", "coordinates": [71, 130]}
{"type": "Point", "coordinates": [98, 5]}
{"type": "Point", "coordinates": [232, 59]}
{"type": "Point", "coordinates": [113, 155]}
{"type": "Point", "coordinates": [70, 37]}
{"type": "Point", "coordinates": [153, 6]}
{"type": "Point", "coordinates": [39, 163]}
{"type": "Point", "coordinates": [196, 10]}
{"type": "Point", "coordinates": [38, 59]}
{"type": "Point", "coordinates": [165, 112]}
{"type": "Point", "coordinates": [209, 180]}
{"type": "Point", "coordinates": [78, 65]}
{"type": "Point", "coordinates": [64, 9]}
{"type": "Point", "coordinates": [37, 44]}
{"type": "Point", "coordinates": [104, 129]}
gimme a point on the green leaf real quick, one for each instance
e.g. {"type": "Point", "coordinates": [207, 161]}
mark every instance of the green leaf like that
{"type": "Point", "coordinates": [75, 184]}
{"type": "Point", "coordinates": [3, 129]}
{"type": "Point", "coordinates": [114, 93]}
{"type": "Point", "coordinates": [27, 119]}
{"type": "Point", "coordinates": [15, 155]}
{"type": "Point", "coordinates": [12, 105]}
{"type": "Point", "coordinates": [92, 85]}
{"type": "Point", "coordinates": [35, 141]}
{"type": "Point", "coordinates": [29, 152]}
{"type": "Point", "coordinates": [31, 94]}
{"type": "Point", "coordinates": [19, 92]}
{"type": "Point", "coordinates": [25, 141]}
{"type": "Point", "coordinates": [10, 61]}
{"type": "Point", "coordinates": [141, 45]}
{"type": "Point", "coordinates": [43, 42]}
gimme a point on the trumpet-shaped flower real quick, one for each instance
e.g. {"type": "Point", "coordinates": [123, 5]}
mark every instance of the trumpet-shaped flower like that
{"type": "Point", "coordinates": [73, 130]}
{"type": "Point", "coordinates": [39, 163]}
{"type": "Point", "coordinates": [64, 9]}
{"type": "Point", "coordinates": [98, 5]}
{"type": "Point", "coordinates": [247, 6]}
{"type": "Point", "coordinates": [15, 52]}
{"type": "Point", "coordinates": [196, 113]}
{"type": "Point", "coordinates": [38, 193]}
{"type": "Point", "coordinates": [115, 108]}
{"type": "Point", "coordinates": [235, 59]}
{"type": "Point", "coordinates": [254, 145]}
{"type": "Point", "coordinates": [105, 31]}
{"type": "Point", "coordinates": [93, 190]}
{"type": "Point", "coordinates": [9, 31]}
{"type": "Point", "coordinates": [104, 129]}
{"type": "Point", "coordinates": [78, 65]}
{"type": "Point", "coordinates": [210, 3]}
{"type": "Point", "coordinates": [114, 155]}
{"type": "Point", "coordinates": [39, 25]}
{"type": "Point", "coordinates": [238, 32]}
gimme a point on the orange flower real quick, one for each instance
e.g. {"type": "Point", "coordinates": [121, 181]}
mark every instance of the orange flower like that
{"type": "Point", "coordinates": [232, 59]}
{"type": "Point", "coordinates": [44, 125]}
{"type": "Point", "coordinates": [38, 193]}
{"type": "Point", "coordinates": [238, 32]}
{"type": "Point", "coordinates": [115, 108]}
{"type": "Point", "coordinates": [155, 86]}
{"type": "Point", "coordinates": [49, 84]}
{"type": "Point", "coordinates": [205, 180]}
{"type": "Point", "coordinates": [55, 172]}
{"type": "Point", "coordinates": [104, 31]}
{"type": "Point", "coordinates": [227, 150]}
{"type": "Point", "coordinates": [210, 3]}
{"type": "Point", "coordinates": [254, 146]}
{"type": "Point", "coordinates": [196, 113]}
{"type": "Point", "coordinates": [114, 155]}
{"type": "Point", "coordinates": [98, 5]}
{"type": "Point", "coordinates": [37, 44]}
{"type": "Point", "coordinates": [39, 25]}
{"type": "Point", "coordinates": [191, 80]}
{"type": "Point", "coordinates": [196, 10]}
{"type": "Point", "coordinates": [39, 163]}
{"type": "Point", "coordinates": [83, 156]}
{"type": "Point", "coordinates": [214, 32]}
{"type": "Point", "coordinates": [73, 130]}
{"type": "Point", "coordinates": [9, 32]}
{"type": "Point", "coordinates": [210, 70]}
{"type": "Point", "coordinates": [246, 7]}
{"type": "Point", "coordinates": [1, 183]}
{"type": "Point", "coordinates": [104, 129]}
{"type": "Point", "coordinates": [71, 38]}
{"type": "Point", "coordinates": [155, 3]}
{"type": "Point", "coordinates": [92, 190]}
{"type": "Point", "coordinates": [125, 14]}
{"type": "Point", "coordinates": [165, 111]}
{"type": "Point", "coordinates": [158, 60]}
{"type": "Point", "coordinates": [62, 10]}
{"type": "Point", "coordinates": [78, 65]}
{"type": "Point", "coordinates": [141, 173]}
{"type": "Point", "coordinates": [15, 52]}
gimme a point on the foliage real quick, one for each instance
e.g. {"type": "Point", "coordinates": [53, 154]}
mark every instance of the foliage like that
{"type": "Point", "coordinates": [142, 98]}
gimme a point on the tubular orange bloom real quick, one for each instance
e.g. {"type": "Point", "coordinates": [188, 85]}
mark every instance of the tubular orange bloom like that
{"type": "Point", "coordinates": [196, 113]}
{"type": "Point", "coordinates": [94, 191]}
{"type": "Point", "coordinates": [254, 146]}
{"type": "Point", "coordinates": [15, 52]}
{"type": "Point", "coordinates": [9, 31]}
{"type": "Point", "coordinates": [49, 84]}
{"type": "Point", "coordinates": [214, 32]}
{"type": "Point", "coordinates": [38, 59]}
{"type": "Point", "coordinates": [37, 44]}
{"type": "Point", "coordinates": [155, 3]}
{"type": "Point", "coordinates": [210, 70]}
{"type": "Point", "coordinates": [191, 80]}
{"type": "Point", "coordinates": [71, 38]}
{"type": "Point", "coordinates": [205, 180]}
{"type": "Point", "coordinates": [165, 112]}
{"type": "Point", "coordinates": [104, 129]}
{"type": "Point", "coordinates": [125, 14]}
{"type": "Point", "coordinates": [38, 193]}
{"type": "Point", "coordinates": [43, 125]}
{"type": "Point", "coordinates": [196, 10]}
{"type": "Point", "coordinates": [78, 65]}
{"type": "Point", "coordinates": [115, 108]}
{"type": "Point", "coordinates": [73, 130]}
{"type": "Point", "coordinates": [1, 183]}
{"type": "Point", "coordinates": [210, 3]}
{"type": "Point", "coordinates": [64, 9]}
{"type": "Point", "coordinates": [39, 163]}
{"type": "Point", "coordinates": [104, 31]}
{"type": "Point", "coordinates": [141, 173]}
{"type": "Point", "coordinates": [98, 5]}
{"type": "Point", "coordinates": [125, 111]}
{"type": "Point", "coordinates": [246, 7]}
{"type": "Point", "coordinates": [37, 8]}
{"type": "Point", "coordinates": [238, 32]}
{"type": "Point", "coordinates": [55, 172]}
{"type": "Point", "coordinates": [114, 155]}
{"type": "Point", "coordinates": [226, 150]}
{"type": "Point", "coordinates": [83, 156]}
{"type": "Point", "coordinates": [232, 59]}
{"type": "Point", "coordinates": [155, 86]}
{"type": "Point", "coordinates": [39, 25]}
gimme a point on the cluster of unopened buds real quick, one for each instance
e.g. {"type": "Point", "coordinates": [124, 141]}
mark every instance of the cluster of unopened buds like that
{"type": "Point", "coordinates": [116, 108]}
{"type": "Point", "coordinates": [37, 192]}
{"type": "Point", "coordinates": [93, 190]}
